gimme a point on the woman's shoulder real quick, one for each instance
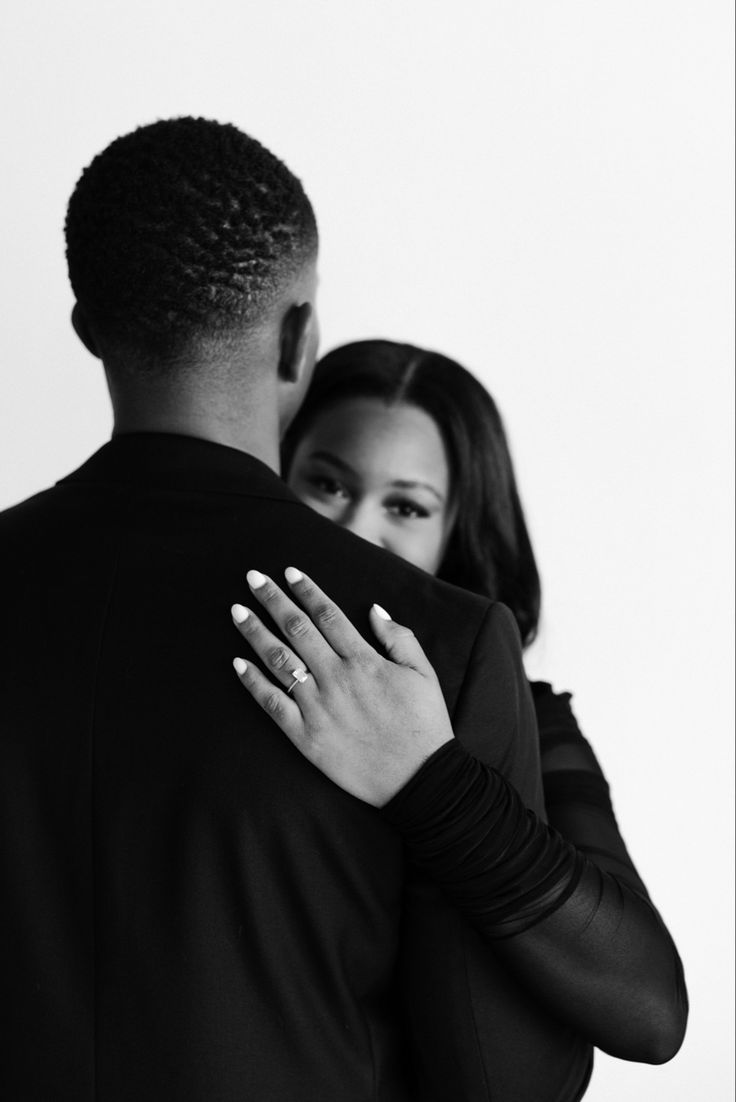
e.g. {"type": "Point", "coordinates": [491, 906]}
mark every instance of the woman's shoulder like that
{"type": "Point", "coordinates": [551, 703]}
{"type": "Point", "coordinates": [562, 744]}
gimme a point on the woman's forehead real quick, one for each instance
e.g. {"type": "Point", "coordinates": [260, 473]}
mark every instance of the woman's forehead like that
{"type": "Point", "coordinates": [392, 438]}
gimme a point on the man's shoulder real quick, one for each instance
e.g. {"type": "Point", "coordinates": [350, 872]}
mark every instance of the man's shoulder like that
{"type": "Point", "coordinates": [454, 626]}
{"type": "Point", "coordinates": [347, 563]}
{"type": "Point", "coordinates": [28, 511]}
{"type": "Point", "coordinates": [91, 531]}
{"type": "Point", "coordinates": [337, 559]}
{"type": "Point", "coordinates": [56, 506]}
{"type": "Point", "coordinates": [234, 530]}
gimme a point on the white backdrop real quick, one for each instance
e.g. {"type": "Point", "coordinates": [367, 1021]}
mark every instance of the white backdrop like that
{"type": "Point", "coordinates": [543, 191]}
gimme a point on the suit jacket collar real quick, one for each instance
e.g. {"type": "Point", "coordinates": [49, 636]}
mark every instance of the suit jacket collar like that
{"type": "Point", "coordinates": [154, 460]}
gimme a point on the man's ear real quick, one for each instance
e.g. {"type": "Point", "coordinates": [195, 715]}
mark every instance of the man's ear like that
{"type": "Point", "coordinates": [79, 322]}
{"type": "Point", "coordinates": [296, 331]}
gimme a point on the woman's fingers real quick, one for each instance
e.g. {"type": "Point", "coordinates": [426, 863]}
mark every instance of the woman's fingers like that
{"type": "Point", "coordinates": [326, 623]}
{"type": "Point", "coordinates": [295, 624]}
{"type": "Point", "coordinates": [370, 722]}
{"type": "Point", "coordinates": [275, 702]}
{"type": "Point", "coordinates": [326, 630]}
{"type": "Point", "coordinates": [399, 642]}
{"type": "Point", "coordinates": [288, 667]}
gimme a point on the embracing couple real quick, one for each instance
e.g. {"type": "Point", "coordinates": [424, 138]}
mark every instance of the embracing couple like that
{"type": "Point", "coordinates": [389, 869]}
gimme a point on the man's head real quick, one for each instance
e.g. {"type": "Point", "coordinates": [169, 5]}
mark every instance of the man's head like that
{"type": "Point", "coordinates": [190, 244]}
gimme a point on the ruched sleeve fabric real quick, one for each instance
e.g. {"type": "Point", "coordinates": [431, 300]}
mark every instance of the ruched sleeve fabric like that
{"type": "Point", "coordinates": [572, 923]}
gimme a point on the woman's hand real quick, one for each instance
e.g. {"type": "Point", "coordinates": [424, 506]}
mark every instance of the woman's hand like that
{"type": "Point", "coordinates": [367, 722]}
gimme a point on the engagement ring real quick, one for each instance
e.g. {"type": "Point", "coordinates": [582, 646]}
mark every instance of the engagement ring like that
{"type": "Point", "coordinates": [300, 675]}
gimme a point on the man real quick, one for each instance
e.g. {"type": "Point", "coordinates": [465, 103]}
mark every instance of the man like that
{"type": "Point", "coordinates": [191, 910]}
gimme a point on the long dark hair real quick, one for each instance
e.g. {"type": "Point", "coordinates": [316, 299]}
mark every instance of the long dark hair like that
{"type": "Point", "coordinates": [489, 551]}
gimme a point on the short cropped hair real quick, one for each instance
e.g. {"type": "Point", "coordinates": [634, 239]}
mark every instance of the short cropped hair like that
{"type": "Point", "coordinates": [489, 551]}
{"type": "Point", "coordinates": [184, 229]}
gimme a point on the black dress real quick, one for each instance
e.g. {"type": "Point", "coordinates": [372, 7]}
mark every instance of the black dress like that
{"type": "Point", "coordinates": [512, 1004]}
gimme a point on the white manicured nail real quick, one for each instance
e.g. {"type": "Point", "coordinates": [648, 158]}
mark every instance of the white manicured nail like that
{"type": "Point", "coordinates": [293, 575]}
{"type": "Point", "coordinates": [381, 612]}
{"type": "Point", "coordinates": [240, 666]}
{"type": "Point", "coordinates": [256, 579]}
{"type": "Point", "coordinates": [239, 614]}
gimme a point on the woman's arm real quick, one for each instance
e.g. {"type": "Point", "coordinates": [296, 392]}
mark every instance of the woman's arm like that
{"type": "Point", "coordinates": [597, 954]}
{"type": "Point", "coordinates": [589, 946]}
{"type": "Point", "coordinates": [576, 793]}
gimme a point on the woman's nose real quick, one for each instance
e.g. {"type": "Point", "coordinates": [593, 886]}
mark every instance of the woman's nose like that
{"type": "Point", "coordinates": [363, 521]}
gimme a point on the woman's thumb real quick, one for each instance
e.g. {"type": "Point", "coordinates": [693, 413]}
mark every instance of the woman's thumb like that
{"type": "Point", "coordinates": [399, 642]}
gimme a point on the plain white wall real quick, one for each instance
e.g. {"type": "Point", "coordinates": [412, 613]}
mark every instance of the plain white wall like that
{"type": "Point", "coordinates": [543, 191]}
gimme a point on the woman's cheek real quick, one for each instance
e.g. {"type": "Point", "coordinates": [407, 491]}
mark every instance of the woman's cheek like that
{"type": "Point", "coordinates": [325, 506]}
{"type": "Point", "coordinates": [433, 547]}
{"type": "Point", "coordinates": [421, 545]}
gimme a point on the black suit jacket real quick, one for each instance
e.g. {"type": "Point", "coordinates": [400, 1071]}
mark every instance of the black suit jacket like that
{"type": "Point", "coordinates": [191, 911]}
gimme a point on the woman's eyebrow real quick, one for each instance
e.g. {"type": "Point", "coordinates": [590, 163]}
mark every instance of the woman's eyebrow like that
{"type": "Point", "coordinates": [406, 484]}
{"type": "Point", "coordinates": [328, 457]}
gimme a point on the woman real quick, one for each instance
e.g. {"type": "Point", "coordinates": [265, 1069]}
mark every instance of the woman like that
{"type": "Point", "coordinates": [406, 449]}
{"type": "Point", "coordinates": [377, 411]}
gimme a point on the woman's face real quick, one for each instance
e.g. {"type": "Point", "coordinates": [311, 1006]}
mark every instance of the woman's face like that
{"type": "Point", "coordinates": [381, 472]}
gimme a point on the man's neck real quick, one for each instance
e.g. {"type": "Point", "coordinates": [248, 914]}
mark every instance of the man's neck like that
{"type": "Point", "coordinates": [255, 430]}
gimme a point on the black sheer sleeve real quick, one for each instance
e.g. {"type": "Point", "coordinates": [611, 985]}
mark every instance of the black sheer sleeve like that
{"type": "Point", "coordinates": [586, 941]}
{"type": "Point", "coordinates": [576, 792]}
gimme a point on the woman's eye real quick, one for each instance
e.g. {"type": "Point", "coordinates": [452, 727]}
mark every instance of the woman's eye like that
{"type": "Point", "coordinates": [407, 510]}
{"type": "Point", "coordinates": [328, 486]}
